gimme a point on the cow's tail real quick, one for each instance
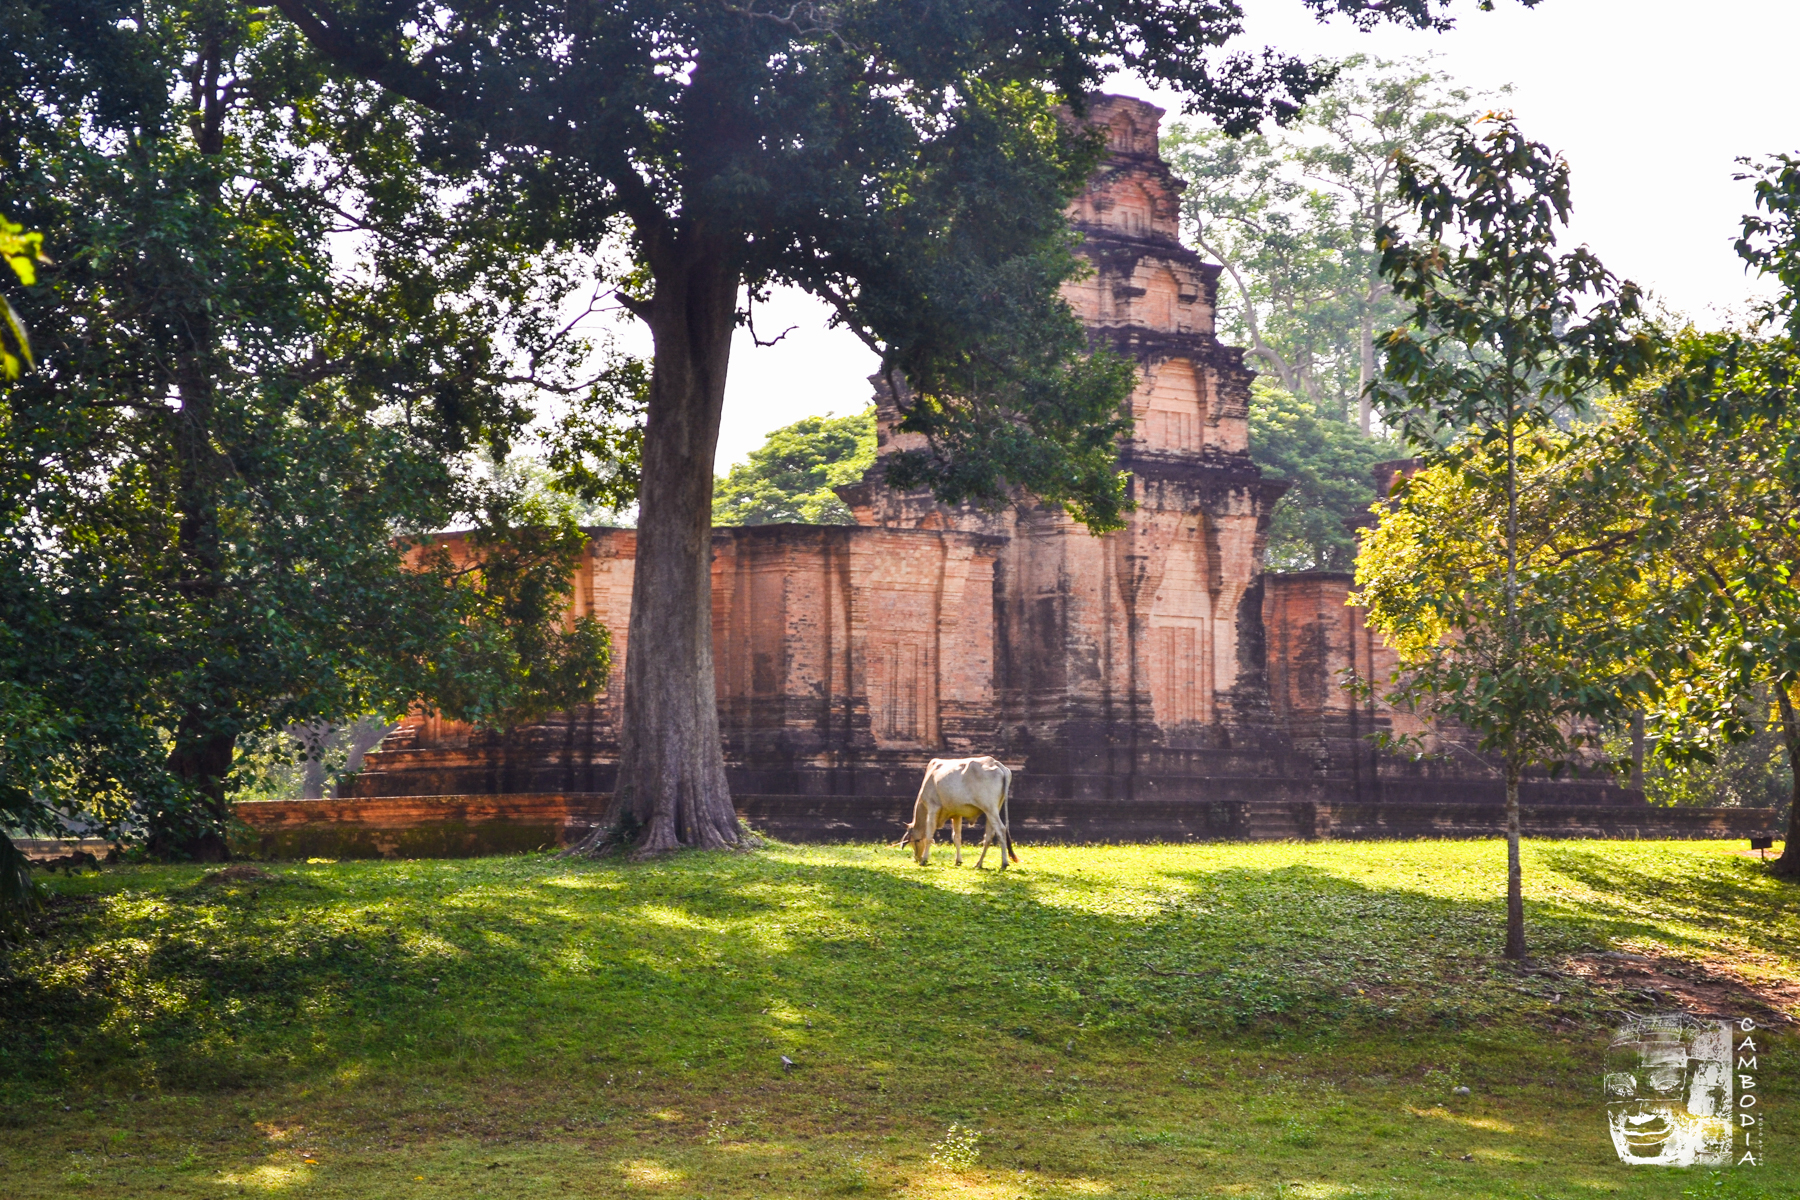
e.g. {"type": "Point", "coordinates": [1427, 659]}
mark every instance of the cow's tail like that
{"type": "Point", "coordinates": [1006, 818]}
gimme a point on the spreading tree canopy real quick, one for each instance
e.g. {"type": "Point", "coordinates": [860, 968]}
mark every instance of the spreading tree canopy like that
{"type": "Point", "coordinates": [907, 163]}
{"type": "Point", "coordinates": [1695, 489]}
{"type": "Point", "coordinates": [1292, 216]}
{"type": "Point", "coordinates": [217, 483]}
{"type": "Point", "coordinates": [1696, 484]}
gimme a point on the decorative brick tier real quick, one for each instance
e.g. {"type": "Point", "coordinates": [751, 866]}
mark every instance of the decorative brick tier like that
{"type": "Point", "coordinates": [413, 826]}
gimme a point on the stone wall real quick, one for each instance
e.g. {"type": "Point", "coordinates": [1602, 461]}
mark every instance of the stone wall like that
{"type": "Point", "coordinates": [464, 826]}
{"type": "Point", "coordinates": [843, 657]}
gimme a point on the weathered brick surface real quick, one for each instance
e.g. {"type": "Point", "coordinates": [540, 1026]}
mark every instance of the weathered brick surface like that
{"type": "Point", "coordinates": [413, 826]}
{"type": "Point", "coordinates": [1155, 676]}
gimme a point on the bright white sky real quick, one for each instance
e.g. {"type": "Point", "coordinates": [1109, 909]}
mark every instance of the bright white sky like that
{"type": "Point", "coordinates": [1650, 100]}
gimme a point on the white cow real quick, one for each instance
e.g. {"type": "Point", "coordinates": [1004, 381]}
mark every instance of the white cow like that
{"type": "Point", "coordinates": [957, 790]}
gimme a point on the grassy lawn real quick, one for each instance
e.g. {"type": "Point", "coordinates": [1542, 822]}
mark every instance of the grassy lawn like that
{"type": "Point", "coordinates": [1230, 1020]}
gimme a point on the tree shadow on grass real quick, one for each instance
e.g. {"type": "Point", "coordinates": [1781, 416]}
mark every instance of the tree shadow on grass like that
{"type": "Point", "coordinates": [700, 966]}
{"type": "Point", "coordinates": [1695, 902]}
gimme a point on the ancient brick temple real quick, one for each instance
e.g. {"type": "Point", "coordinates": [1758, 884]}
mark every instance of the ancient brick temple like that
{"type": "Point", "coordinates": [1157, 676]}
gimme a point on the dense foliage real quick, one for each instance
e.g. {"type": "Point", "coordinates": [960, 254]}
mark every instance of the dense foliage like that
{"type": "Point", "coordinates": [1677, 513]}
{"type": "Point", "coordinates": [1292, 215]}
{"type": "Point", "coordinates": [215, 488]}
{"type": "Point", "coordinates": [790, 477]}
{"type": "Point", "coordinates": [1695, 488]}
{"type": "Point", "coordinates": [1329, 465]}
{"type": "Point", "coordinates": [23, 251]}
{"type": "Point", "coordinates": [1648, 566]}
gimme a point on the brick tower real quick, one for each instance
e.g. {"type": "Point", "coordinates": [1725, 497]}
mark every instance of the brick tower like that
{"type": "Point", "coordinates": [1111, 650]}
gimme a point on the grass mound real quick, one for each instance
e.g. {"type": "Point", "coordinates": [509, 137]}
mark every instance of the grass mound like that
{"type": "Point", "coordinates": [1241, 1020]}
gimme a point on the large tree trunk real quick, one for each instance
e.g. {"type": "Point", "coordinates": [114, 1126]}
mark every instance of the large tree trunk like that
{"type": "Point", "coordinates": [205, 737]}
{"type": "Point", "coordinates": [671, 789]}
{"type": "Point", "coordinates": [1515, 886]}
{"type": "Point", "coordinates": [1788, 864]}
{"type": "Point", "coordinates": [201, 760]}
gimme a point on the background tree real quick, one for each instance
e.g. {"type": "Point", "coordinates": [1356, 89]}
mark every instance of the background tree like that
{"type": "Point", "coordinates": [1696, 477]}
{"type": "Point", "coordinates": [1293, 214]}
{"type": "Point", "coordinates": [1703, 463]}
{"type": "Point", "coordinates": [217, 486]}
{"type": "Point", "coordinates": [1771, 246]}
{"type": "Point", "coordinates": [1504, 329]}
{"type": "Point", "coordinates": [1667, 526]}
{"type": "Point", "coordinates": [908, 165]}
{"type": "Point", "coordinates": [1330, 468]}
{"type": "Point", "coordinates": [790, 477]}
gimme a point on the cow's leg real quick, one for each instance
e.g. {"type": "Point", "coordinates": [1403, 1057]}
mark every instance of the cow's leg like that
{"type": "Point", "coordinates": [987, 835]}
{"type": "Point", "coordinates": [956, 836]}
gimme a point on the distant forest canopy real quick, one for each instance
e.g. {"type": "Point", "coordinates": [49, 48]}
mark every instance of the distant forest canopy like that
{"type": "Point", "coordinates": [791, 476]}
{"type": "Point", "coordinates": [1291, 215]}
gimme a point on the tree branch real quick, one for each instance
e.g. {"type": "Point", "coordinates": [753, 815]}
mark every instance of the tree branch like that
{"type": "Point", "coordinates": [1257, 346]}
{"type": "Point", "coordinates": [426, 88]}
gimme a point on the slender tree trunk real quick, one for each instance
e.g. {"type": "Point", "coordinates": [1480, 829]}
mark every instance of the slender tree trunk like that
{"type": "Point", "coordinates": [1515, 898]}
{"type": "Point", "coordinates": [1366, 367]}
{"type": "Point", "coordinates": [1290, 378]}
{"type": "Point", "coordinates": [1788, 864]}
{"type": "Point", "coordinates": [1515, 878]}
{"type": "Point", "coordinates": [205, 735]}
{"type": "Point", "coordinates": [17, 892]}
{"type": "Point", "coordinates": [671, 789]}
{"type": "Point", "coordinates": [1637, 750]}
{"type": "Point", "coordinates": [1365, 327]}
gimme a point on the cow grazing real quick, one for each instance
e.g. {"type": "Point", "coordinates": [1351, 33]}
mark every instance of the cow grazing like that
{"type": "Point", "coordinates": [958, 790]}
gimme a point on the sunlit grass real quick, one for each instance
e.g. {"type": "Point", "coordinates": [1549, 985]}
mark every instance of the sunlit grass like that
{"type": "Point", "coordinates": [1250, 1020]}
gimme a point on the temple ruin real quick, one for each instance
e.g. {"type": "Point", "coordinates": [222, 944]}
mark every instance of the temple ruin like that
{"type": "Point", "coordinates": [1151, 683]}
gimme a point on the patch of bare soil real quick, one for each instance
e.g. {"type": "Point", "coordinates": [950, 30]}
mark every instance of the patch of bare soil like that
{"type": "Point", "coordinates": [1706, 988]}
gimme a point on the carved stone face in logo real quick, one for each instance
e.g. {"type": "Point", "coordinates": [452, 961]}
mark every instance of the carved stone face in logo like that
{"type": "Point", "coordinates": [1668, 1091]}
